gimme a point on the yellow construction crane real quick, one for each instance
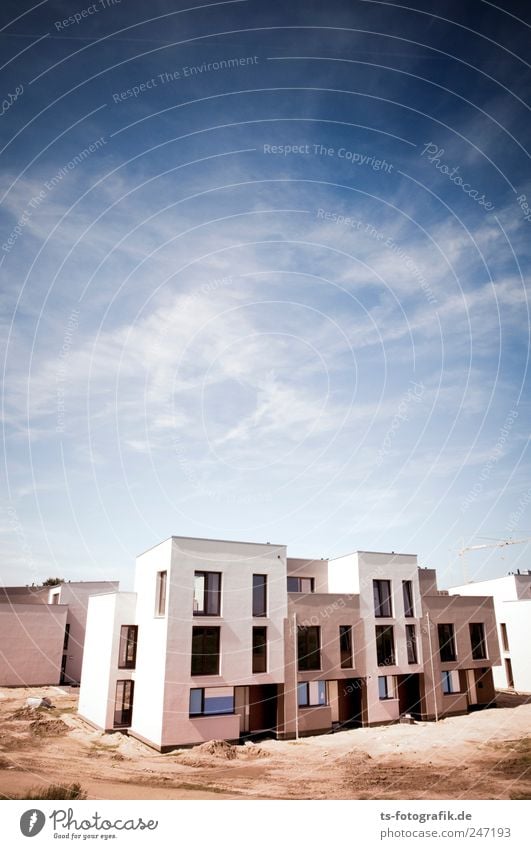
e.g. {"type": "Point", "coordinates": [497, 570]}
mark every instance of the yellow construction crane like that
{"type": "Point", "coordinates": [501, 543]}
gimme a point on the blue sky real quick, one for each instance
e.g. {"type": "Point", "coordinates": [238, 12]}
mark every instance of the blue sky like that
{"type": "Point", "coordinates": [264, 273]}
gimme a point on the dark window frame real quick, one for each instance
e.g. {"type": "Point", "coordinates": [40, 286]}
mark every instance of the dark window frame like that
{"type": "Point", "coordinates": [161, 593]}
{"type": "Point", "coordinates": [214, 713]}
{"type": "Point", "coordinates": [211, 596]}
{"type": "Point", "coordinates": [411, 644]}
{"type": "Point", "coordinates": [407, 595]}
{"type": "Point", "coordinates": [446, 679]}
{"type": "Point", "coordinates": [383, 598]}
{"type": "Point", "coordinates": [389, 691]}
{"type": "Point", "coordinates": [346, 653]}
{"type": "Point", "coordinates": [307, 703]}
{"type": "Point", "coordinates": [259, 596]}
{"type": "Point", "coordinates": [205, 662]}
{"type": "Point", "coordinates": [447, 648]}
{"type": "Point", "coordinates": [66, 639]}
{"type": "Point", "coordinates": [385, 645]}
{"type": "Point", "coordinates": [308, 657]}
{"type": "Point", "coordinates": [259, 650]}
{"type": "Point", "coordinates": [128, 641]}
{"type": "Point", "coordinates": [479, 646]}
{"type": "Point", "coordinates": [504, 636]}
{"type": "Point", "coordinates": [125, 713]}
{"type": "Point", "coordinates": [298, 579]}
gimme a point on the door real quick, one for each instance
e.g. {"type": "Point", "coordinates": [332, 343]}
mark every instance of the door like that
{"type": "Point", "coordinates": [350, 702]}
{"type": "Point", "coordinates": [263, 708]}
{"type": "Point", "coordinates": [409, 694]}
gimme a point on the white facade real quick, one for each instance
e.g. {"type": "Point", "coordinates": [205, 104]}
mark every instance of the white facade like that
{"type": "Point", "coordinates": [512, 603]}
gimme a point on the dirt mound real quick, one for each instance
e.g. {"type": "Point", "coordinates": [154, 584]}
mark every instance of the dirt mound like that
{"type": "Point", "coordinates": [25, 713]}
{"type": "Point", "coordinates": [48, 727]}
{"type": "Point", "coordinates": [217, 749]}
{"type": "Point", "coordinates": [251, 750]}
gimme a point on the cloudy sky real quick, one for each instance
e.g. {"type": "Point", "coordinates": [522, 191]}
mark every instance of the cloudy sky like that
{"type": "Point", "coordinates": [264, 271]}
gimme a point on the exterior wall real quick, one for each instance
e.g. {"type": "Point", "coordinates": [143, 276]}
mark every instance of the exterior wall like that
{"type": "Point", "coordinates": [106, 613]}
{"type": "Point", "coordinates": [31, 644]}
{"type": "Point", "coordinates": [76, 595]}
{"type": "Point", "coordinates": [317, 569]}
{"type": "Point", "coordinates": [460, 612]}
{"type": "Point", "coordinates": [163, 677]}
{"type": "Point", "coordinates": [512, 604]}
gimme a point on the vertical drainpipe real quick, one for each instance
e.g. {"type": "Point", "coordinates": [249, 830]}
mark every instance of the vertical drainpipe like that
{"type": "Point", "coordinates": [432, 669]}
{"type": "Point", "coordinates": [295, 676]}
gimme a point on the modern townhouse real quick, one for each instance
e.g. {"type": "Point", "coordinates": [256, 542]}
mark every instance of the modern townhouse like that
{"type": "Point", "coordinates": [42, 632]}
{"type": "Point", "coordinates": [512, 604]}
{"type": "Point", "coordinates": [223, 640]}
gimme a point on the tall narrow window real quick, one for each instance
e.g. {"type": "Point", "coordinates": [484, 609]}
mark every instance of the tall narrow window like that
{"type": "Point", "coordinates": [505, 639]}
{"type": "Point", "coordinates": [382, 598]}
{"type": "Point", "coordinates": [309, 647]}
{"type": "Point", "coordinates": [67, 637]}
{"type": "Point", "coordinates": [509, 673]}
{"type": "Point", "coordinates": [259, 649]}
{"type": "Point", "coordinates": [477, 641]}
{"type": "Point", "coordinates": [386, 688]}
{"type": "Point", "coordinates": [385, 645]}
{"type": "Point", "coordinates": [160, 603]}
{"type": "Point", "coordinates": [259, 595]}
{"type": "Point", "coordinates": [207, 593]}
{"type": "Point", "coordinates": [411, 642]}
{"type": "Point", "coordinates": [407, 592]}
{"type": "Point", "coordinates": [205, 651]}
{"type": "Point", "coordinates": [127, 650]}
{"type": "Point", "coordinates": [345, 646]}
{"type": "Point", "coordinates": [446, 643]}
{"type": "Point", "coordinates": [123, 703]}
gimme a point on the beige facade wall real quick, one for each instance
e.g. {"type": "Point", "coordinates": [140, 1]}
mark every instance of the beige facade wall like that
{"type": "Point", "coordinates": [31, 644]}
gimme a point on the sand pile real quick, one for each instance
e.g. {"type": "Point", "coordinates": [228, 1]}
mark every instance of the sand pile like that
{"type": "Point", "coordinates": [48, 727]}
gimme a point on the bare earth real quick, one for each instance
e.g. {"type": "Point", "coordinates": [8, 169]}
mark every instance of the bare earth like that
{"type": "Point", "coordinates": [485, 755]}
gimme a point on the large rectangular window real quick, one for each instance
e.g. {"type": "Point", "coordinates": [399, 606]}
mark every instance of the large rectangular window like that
{"type": "Point", "coordinates": [345, 646]}
{"type": "Point", "coordinates": [123, 703]}
{"type": "Point", "coordinates": [446, 643]}
{"type": "Point", "coordinates": [259, 649]}
{"type": "Point", "coordinates": [505, 639]}
{"type": "Point", "coordinates": [382, 598]}
{"type": "Point", "coordinates": [160, 598]}
{"type": "Point", "coordinates": [127, 649]}
{"type": "Point", "coordinates": [207, 593]}
{"type": "Point", "coordinates": [477, 641]}
{"type": "Point", "coordinates": [411, 643]}
{"type": "Point", "coordinates": [205, 651]}
{"type": "Point", "coordinates": [385, 645]}
{"type": "Point", "coordinates": [312, 694]}
{"type": "Point", "coordinates": [386, 687]}
{"type": "Point", "coordinates": [259, 595]}
{"type": "Point", "coordinates": [309, 647]}
{"type": "Point", "coordinates": [407, 592]}
{"type": "Point", "coordinates": [301, 585]}
{"type": "Point", "coordinates": [211, 701]}
{"type": "Point", "coordinates": [450, 682]}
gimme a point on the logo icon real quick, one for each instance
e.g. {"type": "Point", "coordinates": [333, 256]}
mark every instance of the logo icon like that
{"type": "Point", "coordinates": [32, 822]}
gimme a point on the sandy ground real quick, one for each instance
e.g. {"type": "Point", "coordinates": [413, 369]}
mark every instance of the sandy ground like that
{"type": "Point", "coordinates": [485, 755]}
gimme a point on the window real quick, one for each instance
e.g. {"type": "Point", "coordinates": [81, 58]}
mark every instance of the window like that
{"type": "Point", "coordinates": [207, 593]}
{"type": "Point", "coordinates": [312, 694]}
{"type": "Point", "coordinates": [382, 598]}
{"type": "Point", "coordinates": [345, 646]}
{"type": "Point", "coordinates": [309, 647]}
{"type": "Point", "coordinates": [211, 701]}
{"type": "Point", "coordinates": [67, 637]}
{"type": "Point", "coordinates": [259, 595]}
{"type": "Point", "coordinates": [477, 641]}
{"type": "Point", "coordinates": [446, 643]}
{"type": "Point", "coordinates": [407, 592]}
{"type": "Point", "coordinates": [450, 682]}
{"type": "Point", "coordinates": [123, 703]}
{"type": "Point", "coordinates": [127, 650]}
{"type": "Point", "coordinates": [385, 645]}
{"type": "Point", "coordinates": [55, 598]}
{"type": "Point", "coordinates": [259, 649]}
{"type": "Point", "coordinates": [205, 651]}
{"type": "Point", "coordinates": [160, 603]}
{"type": "Point", "coordinates": [301, 585]}
{"type": "Point", "coordinates": [386, 689]}
{"type": "Point", "coordinates": [411, 642]}
{"type": "Point", "coordinates": [505, 639]}
{"type": "Point", "coordinates": [509, 673]}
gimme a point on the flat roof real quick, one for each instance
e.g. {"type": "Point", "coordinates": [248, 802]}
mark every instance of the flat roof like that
{"type": "Point", "coordinates": [213, 539]}
{"type": "Point", "coordinates": [362, 551]}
